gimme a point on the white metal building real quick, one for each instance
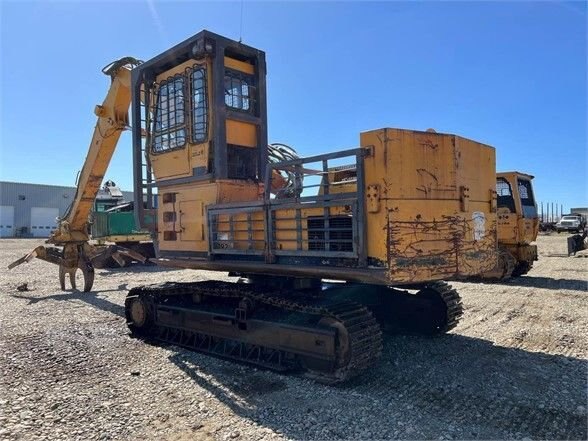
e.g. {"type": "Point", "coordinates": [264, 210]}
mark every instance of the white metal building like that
{"type": "Point", "coordinates": [580, 210]}
{"type": "Point", "coordinates": [31, 210]}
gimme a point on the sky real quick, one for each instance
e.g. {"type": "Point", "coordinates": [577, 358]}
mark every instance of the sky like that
{"type": "Point", "coordinates": [509, 74]}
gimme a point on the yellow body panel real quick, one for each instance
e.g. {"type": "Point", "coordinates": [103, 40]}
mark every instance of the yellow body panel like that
{"type": "Point", "coordinates": [241, 133]}
{"type": "Point", "coordinates": [174, 164]}
{"type": "Point", "coordinates": [199, 155]}
{"type": "Point", "coordinates": [435, 219]}
{"type": "Point", "coordinates": [188, 207]}
{"type": "Point", "coordinates": [239, 65]}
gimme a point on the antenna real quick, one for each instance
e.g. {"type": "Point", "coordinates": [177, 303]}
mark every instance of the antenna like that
{"type": "Point", "coordinates": [241, 24]}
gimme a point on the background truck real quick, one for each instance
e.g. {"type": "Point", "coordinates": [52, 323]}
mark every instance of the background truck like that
{"type": "Point", "coordinates": [571, 223]}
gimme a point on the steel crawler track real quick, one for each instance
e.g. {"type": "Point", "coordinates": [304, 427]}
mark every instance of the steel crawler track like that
{"type": "Point", "coordinates": [452, 300]}
{"type": "Point", "coordinates": [339, 341]}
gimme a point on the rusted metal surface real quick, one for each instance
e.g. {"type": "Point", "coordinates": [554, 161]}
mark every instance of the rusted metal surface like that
{"type": "Point", "coordinates": [436, 249]}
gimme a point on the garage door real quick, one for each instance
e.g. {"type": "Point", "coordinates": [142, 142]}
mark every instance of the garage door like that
{"type": "Point", "coordinates": [43, 221]}
{"type": "Point", "coordinates": [6, 221]}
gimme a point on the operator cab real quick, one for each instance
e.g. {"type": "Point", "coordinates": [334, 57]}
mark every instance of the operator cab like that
{"type": "Point", "coordinates": [202, 107]}
{"type": "Point", "coordinates": [515, 194]}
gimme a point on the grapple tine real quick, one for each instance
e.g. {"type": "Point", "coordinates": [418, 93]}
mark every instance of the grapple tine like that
{"type": "Point", "coordinates": [27, 258]}
{"type": "Point", "coordinates": [87, 271]}
{"type": "Point", "coordinates": [62, 277]}
{"type": "Point", "coordinates": [19, 261]}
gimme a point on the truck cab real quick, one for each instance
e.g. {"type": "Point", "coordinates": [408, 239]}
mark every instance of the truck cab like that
{"type": "Point", "coordinates": [573, 223]}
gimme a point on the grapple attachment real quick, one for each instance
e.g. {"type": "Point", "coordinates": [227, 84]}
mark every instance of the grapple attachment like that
{"type": "Point", "coordinates": [84, 256]}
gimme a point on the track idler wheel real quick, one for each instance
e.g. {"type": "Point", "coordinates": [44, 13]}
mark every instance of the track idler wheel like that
{"type": "Point", "coordinates": [323, 374]}
{"type": "Point", "coordinates": [343, 347]}
{"type": "Point", "coordinates": [87, 272]}
{"type": "Point", "coordinates": [139, 315]}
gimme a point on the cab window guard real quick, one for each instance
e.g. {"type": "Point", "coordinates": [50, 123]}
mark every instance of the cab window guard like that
{"type": "Point", "coordinates": [527, 198]}
{"type": "Point", "coordinates": [239, 91]}
{"type": "Point", "coordinates": [504, 195]}
{"type": "Point", "coordinates": [199, 105]}
{"type": "Point", "coordinates": [526, 192]}
{"type": "Point", "coordinates": [169, 126]}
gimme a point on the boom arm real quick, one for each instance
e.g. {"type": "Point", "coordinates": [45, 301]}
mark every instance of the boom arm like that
{"type": "Point", "coordinates": [112, 120]}
{"type": "Point", "coordinates": [72, 231]}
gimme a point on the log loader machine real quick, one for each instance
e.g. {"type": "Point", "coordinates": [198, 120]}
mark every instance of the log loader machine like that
{"type": "Point", "coordinates": [322, 271]}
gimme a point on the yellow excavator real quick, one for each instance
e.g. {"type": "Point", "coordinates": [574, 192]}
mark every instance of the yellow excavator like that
{"type": "Point", "coordinates": [324, 264]}
{"type": "Point", "coordinates": [518, 224]}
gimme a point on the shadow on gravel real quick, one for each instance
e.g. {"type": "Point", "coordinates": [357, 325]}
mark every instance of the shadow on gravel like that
{"type": "Point", "coordinates": [547, 283]}
{"type": "Point", "coordinates": [452, 386]}
{"type": "Point", "coordinates": [91, 298]}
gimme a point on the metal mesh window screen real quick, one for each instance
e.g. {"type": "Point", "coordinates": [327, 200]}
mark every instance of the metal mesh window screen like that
{"type": "Point", "coordinates": [525, 192]}
{"type": "Point", "coordinates": [503, 188]}
{"type": "Point", "coordinates": [242, 162]}
{"type": "Point", "coordinates": [239, 91]}
{"type": "Point", "coordinates": [199, 105]}
{"type": "Point", "coordinates": [169, 125]}
{"type": "Point", "coordinates": [504, 195]}
{"type": "Point", "coordinates": [527, 198]}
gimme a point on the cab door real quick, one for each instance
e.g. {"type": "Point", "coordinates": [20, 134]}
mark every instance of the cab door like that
{"type": "Point", "coordinates": [191, 215]}
{"type": "Point", "coordinates": [506, 212]}
{"type": "Point", "coordinates": [529, 221]}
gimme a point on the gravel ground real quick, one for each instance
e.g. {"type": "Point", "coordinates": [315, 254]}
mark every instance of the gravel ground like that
{"type": "Point", "coordinates": [515, 367]}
